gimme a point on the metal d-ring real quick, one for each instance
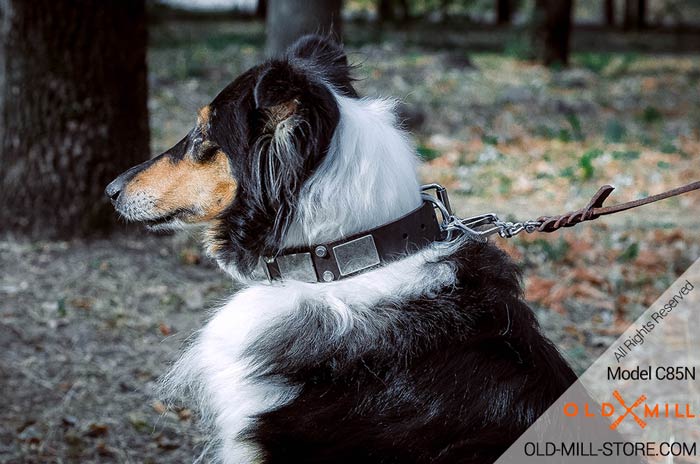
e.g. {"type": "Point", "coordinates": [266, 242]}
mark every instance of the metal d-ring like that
{"type": "Point", "coordinates": [470, 226]}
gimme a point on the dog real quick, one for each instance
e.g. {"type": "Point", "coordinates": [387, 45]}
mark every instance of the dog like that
{"type": "Point", "coordinates": [361, 334]}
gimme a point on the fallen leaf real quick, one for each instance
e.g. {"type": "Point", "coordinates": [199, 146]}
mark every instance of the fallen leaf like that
{"type": "Point", "coordinates": [510, 248]}
{"type": "Point", "coordinates": [586, 290]}
{"type": "Point", "coordinates": [104, 450]}
{"type": "Point", "coordinates": [650, 261]}
{"type": "Point", "coordinates": [167, 443]}
{"type": "Point", "coordinates": [159, 407]}
{"type": "Point", "coordinates": [575, 332]}
{"type": "Point", "coordinates": [184, 414]}
{"type": "Point", "coordinates": [83, 303]}
{"type": "Point", "coordinates": [667, 236]}
{"type": "Point", "coordinates": [97, 430]}
{"type": "Point", "coordinates": [587, 275]}
{"type": "Point", "coordinates": [538, 288]}
{"type": "Point", "coordinates": [165, 329]}
{"type": "Point", "coordinates": [558, 295]}
{"type": "Point", "coordinates": [190, 256]}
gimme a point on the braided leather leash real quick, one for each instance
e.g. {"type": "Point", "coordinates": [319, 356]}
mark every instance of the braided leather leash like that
{"type": "Point", "coordinates": [594, 209]}
{"type": "Point", "coordinates": [483, 225]}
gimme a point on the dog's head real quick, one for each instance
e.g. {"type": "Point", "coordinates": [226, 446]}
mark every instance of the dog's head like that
{"type": "Point", "coordinates": [240, 169]}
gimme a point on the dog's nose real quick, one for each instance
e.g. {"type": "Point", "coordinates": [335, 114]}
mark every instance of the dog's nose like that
{"type": "Point", "coordinates": [117, 185]}
{"type": "Point", "coordinates": [114, 188]}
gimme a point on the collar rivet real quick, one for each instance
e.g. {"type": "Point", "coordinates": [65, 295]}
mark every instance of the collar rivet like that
{"type": "Point", "coordinates": [321, 251]}
{"type": "Point", "coordinates": [328, 276]}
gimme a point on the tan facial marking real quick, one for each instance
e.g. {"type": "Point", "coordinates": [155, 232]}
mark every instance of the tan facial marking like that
{"type": "Point", "coordinates": [203, 118]}
{"type": "Point", "coordinates": [206, 188]}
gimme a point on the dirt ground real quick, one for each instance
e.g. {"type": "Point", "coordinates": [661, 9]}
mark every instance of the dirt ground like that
{"type": "Point", "coordinates": [87, 327]}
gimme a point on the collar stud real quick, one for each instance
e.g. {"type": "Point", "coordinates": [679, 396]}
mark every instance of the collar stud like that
{"type": "Point", "coordinates": [321, 252]}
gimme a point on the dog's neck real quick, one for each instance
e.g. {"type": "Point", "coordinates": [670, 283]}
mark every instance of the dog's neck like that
{"type": "Point", "coordinates": [367, 179]}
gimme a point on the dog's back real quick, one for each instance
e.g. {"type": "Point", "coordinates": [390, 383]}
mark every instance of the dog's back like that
{"type": "Point", "coordinates": [453, 375]}
{"type": "Point", "coordinates": [434, 358]}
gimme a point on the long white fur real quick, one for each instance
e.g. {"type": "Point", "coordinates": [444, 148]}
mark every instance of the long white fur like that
{"type": "Point", "coordinates": [367, 179]}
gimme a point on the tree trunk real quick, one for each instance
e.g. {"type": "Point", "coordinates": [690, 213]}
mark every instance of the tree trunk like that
{"type": "Point", "coordinates": [73, 111]}
{"type": "Point", "coordinates": [261, 9]}
{"type": "Point", "coordinates": [641, 14]}
{"type": "Point", "coordinates": [503, 11]}
{"type": "Point", "coordinates": [385, 11]}
{"type": "Point", "coordinates": [629, 15]}
{"type": "Point", "coordinates": [553, 31]}
{"type": "Point", "coordinates": [635, 14]}
{"type": "Point", "coordinates": [445, 9]}
{"type": "Point", "coordinates": [287, 20]}
{"type": "Point", "coordinates": [609, 12]}
{"type": "Point", "coordinates": [405, 11]}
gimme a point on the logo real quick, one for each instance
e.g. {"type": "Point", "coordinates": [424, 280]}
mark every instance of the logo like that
{"type": "Point", "coordinates": [629, 410]}
{"type": "Point", "coordinates": [640, 410]}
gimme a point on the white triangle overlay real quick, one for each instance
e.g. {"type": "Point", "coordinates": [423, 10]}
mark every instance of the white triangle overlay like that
{"type": "Point", "coordinates": [663, 342]}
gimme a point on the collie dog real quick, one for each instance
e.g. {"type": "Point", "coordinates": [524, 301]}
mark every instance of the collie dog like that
{"type": "Point", "coordinates": [362, 333]}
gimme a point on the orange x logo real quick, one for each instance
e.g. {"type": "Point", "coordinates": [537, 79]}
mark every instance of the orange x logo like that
{"type": "Point", "coordinates": [628, 410]}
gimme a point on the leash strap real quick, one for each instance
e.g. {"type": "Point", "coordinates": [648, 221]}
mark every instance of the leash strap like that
{"type": "Point", "coordinates": [483, 225]}
{"type": "Point", "coordinates": [594, 209]}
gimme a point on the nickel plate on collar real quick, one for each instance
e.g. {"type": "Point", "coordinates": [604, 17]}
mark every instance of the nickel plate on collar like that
{"type": "Point", "coordinates": [298, 266]}
{"type": "Point", "coordinates": [356, 255]}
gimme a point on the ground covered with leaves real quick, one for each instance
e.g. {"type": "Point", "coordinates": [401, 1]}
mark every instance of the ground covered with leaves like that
{"type": "Point", "coordinates": [86, 328]}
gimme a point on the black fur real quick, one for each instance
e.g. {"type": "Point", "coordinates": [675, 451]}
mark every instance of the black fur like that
{"type": "Point", "coordinates": [327, 59]}
{"type": "Point", "coordinates": [453, 377]}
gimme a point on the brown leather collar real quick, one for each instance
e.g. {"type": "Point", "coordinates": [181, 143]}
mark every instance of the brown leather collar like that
{"type": "Point", "coordinates": [328, 262]}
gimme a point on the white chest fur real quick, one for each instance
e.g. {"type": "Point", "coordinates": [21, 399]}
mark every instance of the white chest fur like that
{"type": "Point", "coordinates": [215, 373]}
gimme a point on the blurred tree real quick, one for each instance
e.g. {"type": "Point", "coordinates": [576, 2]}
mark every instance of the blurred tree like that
{"type": "Point", "coordinates": [504, 11]}
{"type": "Point", "coordinates": [261, 9]}
{"type": "Point", "coordinates": [552, 30]}
{"type": "Point", "coordinates": [641, 14]}
{"type": "Point", "coordinates": [386, 10]}
{"type": "Point", "coordinates": [73, 111]}
{"type": "Point", "coordinates": [628, 19]}
{"type": "Point", "coordinates": [635, 14]}
{"type": "Point", "coordinates": [609, 12]}
{"type": "Point", "coordinates": [287, 20]}
{"type": "Point", "coordinates": [444, 9]}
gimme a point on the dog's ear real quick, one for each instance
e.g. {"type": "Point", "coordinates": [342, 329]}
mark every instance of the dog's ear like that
{"type": "Point", "coordinates": [278, 92]}
{"type": "Point", "coordinates": [296, 119]}
{"type": "Point", "coordinates": [318, 49]}
{"type": "Point", "coordinates": [281, 97]}
{"type": "Point", "coordinates": [328, 57]}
